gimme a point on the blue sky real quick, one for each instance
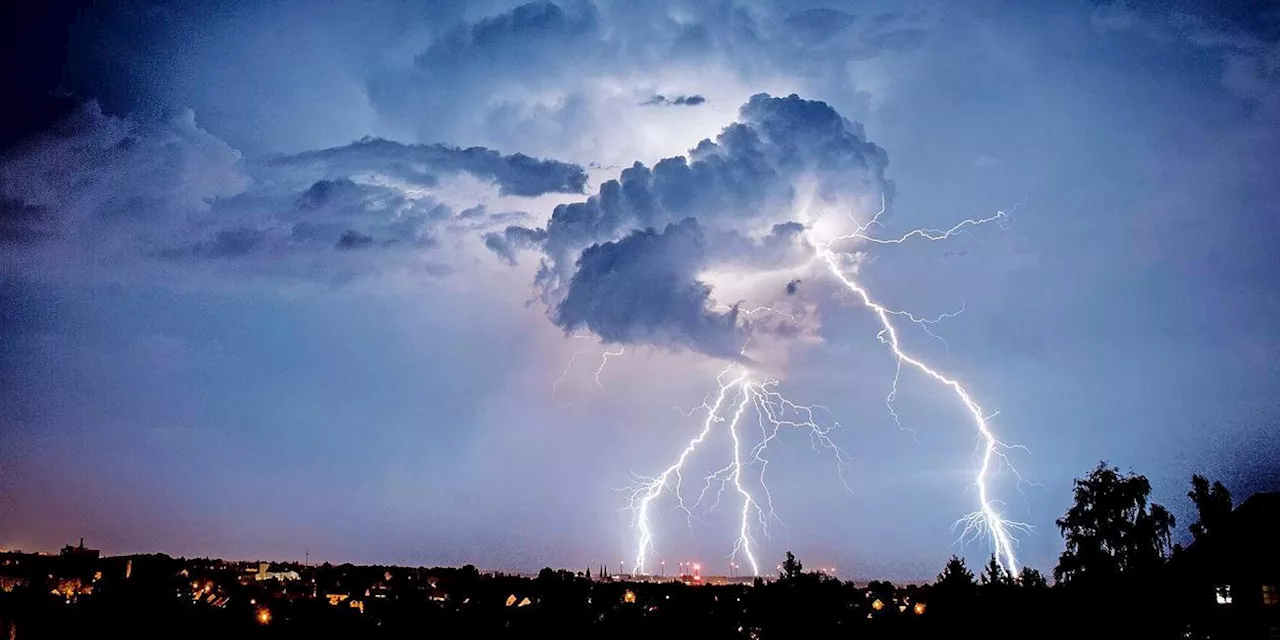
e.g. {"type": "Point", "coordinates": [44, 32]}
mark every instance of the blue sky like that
{"type": "Point", "coordinates": [261, 291]}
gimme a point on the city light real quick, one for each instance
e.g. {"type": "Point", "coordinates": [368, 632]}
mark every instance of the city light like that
{"type": "Point", "coordinates": [264, 616]}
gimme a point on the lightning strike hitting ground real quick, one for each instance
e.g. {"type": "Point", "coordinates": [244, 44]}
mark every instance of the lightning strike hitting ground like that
{"type": "Point", "coordinates": [987, 519]}
{"type": "Point", "coordinates": [650, 488]}
{"type": "Point", "coordinates": [743, 544]}
{"type": "Point", "coordinates": [775, 412]}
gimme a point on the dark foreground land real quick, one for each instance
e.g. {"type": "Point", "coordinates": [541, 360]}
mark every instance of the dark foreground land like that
{"type": "Point", "coordinates": [158, 596]}
{"type": "Point", "coordinates": [1119, 576]}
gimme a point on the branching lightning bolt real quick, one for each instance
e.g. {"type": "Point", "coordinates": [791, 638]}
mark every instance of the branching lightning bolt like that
{"type": "Point", "coordinates": [774, 412]}
{"type": "Point", "coordinates": [649, 489]}
{"type": "Point", "coordinates": [988, 518]}
{"type": "Point", "coordinates": [604, 360]}
{"type": "Point", "coordinates": [739, 390]}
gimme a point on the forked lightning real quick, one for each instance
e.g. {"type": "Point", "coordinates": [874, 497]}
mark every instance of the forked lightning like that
{"type": "Point", "coordinates": [739, 389]}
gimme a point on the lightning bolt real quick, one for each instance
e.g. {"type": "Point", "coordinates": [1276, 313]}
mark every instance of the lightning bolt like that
{"type": "Point", "coordinates": [564, 374]}
{"type": "Point", "coordinates": [774, 412]}
{"type": "Point", "coordinates": [604, 360]}
{"type": "Point", "coordinates": [555, 385]}
{"type": "Point", "coordinates": [987, 519]}
{"type": "Point", "coordinates": [739, 390]}
{"type": "Point", "coordinates": [743, 544]}
{"type": "Point", "coordinates": [648, 489]}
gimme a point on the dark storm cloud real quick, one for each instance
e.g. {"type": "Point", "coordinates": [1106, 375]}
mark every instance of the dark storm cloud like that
{"type": "Point", "coordinates": [748, 171]}
{"type": "Point", "coordinates": [422, 165]}
{"type": "Point", "coordinates": [108, 186]}
{"type": "Point", "coordinates": [525, 30]}
{"type": "Point", "coordinates": [678, 101]}
{"type": "Point", "coordinates": [604, 257]}
{"type": "Point", "coordinates": [638, 290]}
{"type": "Point", "coordinates": [532, 43]}
{"type": "Point", "coordinates": [642, 288]}
{"type": "Point", "coordinates": [290, 76]}
{"type": "Point", "coordinates": [92, 169]}
{"type": "Point", "coordinates": [512, 239]}
{"type": "Point", "coordinates": [354, 240]}
{"type": "Point", "coordinates": [530, 73]}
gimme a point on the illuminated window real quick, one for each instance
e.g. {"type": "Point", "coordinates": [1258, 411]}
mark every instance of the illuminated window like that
{"type": "Point", "coordinates": [1223, 593]}
{"type": "Point", "coordinates": [1269, 595]}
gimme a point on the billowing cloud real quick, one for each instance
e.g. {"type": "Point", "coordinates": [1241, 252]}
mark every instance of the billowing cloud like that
{"type": "Point", "coordinates": [642, 288]}
{"type": "Point", "coordinates": [111, 188]}
{"type": "Point", "coordinates": [544, 78]}
{"type": "Point", "coordinates": [545, 73]}
{"type": "Point", "coordinates": [638, 290]}
{"type": "Point", "coordinates": [92, 170]}
{"type": "Point", "coordinates": [512, 239]}
{"type": "Point", "coordinates": [625, 263]}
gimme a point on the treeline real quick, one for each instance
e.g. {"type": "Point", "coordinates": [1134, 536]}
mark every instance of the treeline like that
{"type": "Point", "coordinates": [1119, 576]}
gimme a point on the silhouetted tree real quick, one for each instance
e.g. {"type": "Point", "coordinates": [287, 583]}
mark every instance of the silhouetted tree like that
{"type": "Point", "coordinates": [954, 594]}
{"type": "Point", "coordinates": [1213, 506]}
{"type": "Point", "coordinates": [955, 574]}
{"type": "Point", "coordinates": [1032, 579]}
{"type": "Point", "coordinates": [812, 599]}
{"type": "Point", "coordinates": [1111, 531]}
{"type": "Point", "coordinates": [791, 568]}
{"type": "Point", "coordinates": [994, 574]}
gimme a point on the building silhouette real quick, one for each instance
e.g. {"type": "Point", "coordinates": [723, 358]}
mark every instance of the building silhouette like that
{"type": "Point", "coordinates": [1230, 577]}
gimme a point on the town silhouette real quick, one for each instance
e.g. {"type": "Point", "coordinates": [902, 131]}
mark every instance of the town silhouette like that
{"type": "Point", "coordinates": [1120, 575]}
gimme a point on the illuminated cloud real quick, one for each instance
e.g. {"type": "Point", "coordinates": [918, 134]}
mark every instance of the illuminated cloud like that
{"type": "Point", "coordinates": [625, 263]}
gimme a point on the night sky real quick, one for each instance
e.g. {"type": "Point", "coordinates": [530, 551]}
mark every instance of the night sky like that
{"type": "Point", "coordinates": [338, 277]}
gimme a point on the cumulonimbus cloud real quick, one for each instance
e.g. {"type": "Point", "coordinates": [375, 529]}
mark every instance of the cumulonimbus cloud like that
{"type": "Point", "coordinates": [625, 262]}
